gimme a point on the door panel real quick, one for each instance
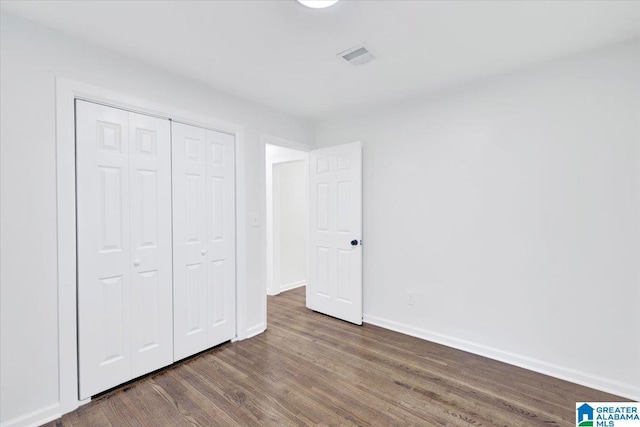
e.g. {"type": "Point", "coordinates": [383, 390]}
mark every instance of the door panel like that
{"type": "Point", "coordinates": [221, 237]}
{"type": "Point", "coordinates": [125, 322]}
{"type": "Point", "coordinates": [104, 276]}
{"type": "Point", "coordinates": [189, 240]}
{"type": "Point", "coordinates": [147, 297]}
{"type": "Point", "coordinates": [151, 250]}
{"type": "Point", "coordinates": [335, 264]}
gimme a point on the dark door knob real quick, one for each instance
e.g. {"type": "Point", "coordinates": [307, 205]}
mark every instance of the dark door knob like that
{"type": "Point", "coordinates": [354, 243]}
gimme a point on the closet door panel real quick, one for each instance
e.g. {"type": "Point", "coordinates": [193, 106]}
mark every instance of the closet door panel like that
{"type": "Point", "coordinates": [104, 280]}
{"type": "Point", "coordinates": [151, 248]}
{"type": "Point", "coordinates": [189, 240]}
{"type": "Point", "coordinates": [221, 237]}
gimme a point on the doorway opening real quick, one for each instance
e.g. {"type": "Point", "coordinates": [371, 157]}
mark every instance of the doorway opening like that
{"type": "Point", "coordinates": [314, 228]}
{"type": "Point", "coordinates": [287, 218]}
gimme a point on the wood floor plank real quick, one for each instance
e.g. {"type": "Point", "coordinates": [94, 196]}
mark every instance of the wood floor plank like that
{"type": "Point", "coordinates": [311, 369]}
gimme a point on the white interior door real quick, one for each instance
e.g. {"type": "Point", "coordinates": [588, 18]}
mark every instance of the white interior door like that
{"type": "Point", "coordinates": [104, 261]}
{"type": "Point", "coordinates": [204, 238]}
{"type": "Point", "coordinates": [335, 219]}
{"type": "Point", "coordinates": [124, 246]}
{"type": "Point", "coordinates": [151, 249]}
{"type": "Point", "coordinates": [189, 240]}
{"type": "Point", "coordinates": [221, 240]}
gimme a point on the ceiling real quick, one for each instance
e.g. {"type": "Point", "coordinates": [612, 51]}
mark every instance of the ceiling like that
{"type": "Point", "coordinates": [282, 54]}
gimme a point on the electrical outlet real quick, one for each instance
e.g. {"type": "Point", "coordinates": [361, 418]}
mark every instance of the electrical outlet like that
{"type": "Point", "coordinates": [411, 298]}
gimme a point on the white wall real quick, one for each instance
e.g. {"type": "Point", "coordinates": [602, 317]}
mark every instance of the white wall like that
{"type": "Point", "coordinates": [31, 56]}
{"type": "Point", "coordinates": [290, 202]}
{"type": "Point", "coordinates": [512, 208]}
{"type": "Point", "coordinates": [277, 151]}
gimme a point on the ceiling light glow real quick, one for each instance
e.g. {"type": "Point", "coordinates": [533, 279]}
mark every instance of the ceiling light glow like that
{"type": "Point", "coordinates": [317, 4]}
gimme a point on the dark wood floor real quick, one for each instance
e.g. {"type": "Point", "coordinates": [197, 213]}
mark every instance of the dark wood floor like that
{"type": "Point", "coordinates": [310, 369]}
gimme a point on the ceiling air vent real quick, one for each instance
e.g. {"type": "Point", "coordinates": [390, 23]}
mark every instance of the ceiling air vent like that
{"type": "Point", "coordinates": [357, 55]}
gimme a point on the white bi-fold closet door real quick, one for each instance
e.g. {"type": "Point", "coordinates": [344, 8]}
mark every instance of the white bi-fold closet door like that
{"type": "Point", "coordinates": [138, 281]}
{"type": "Point", "coordinates": [124, 245]}
{"type": "Point", "coordinates": [203, 238]}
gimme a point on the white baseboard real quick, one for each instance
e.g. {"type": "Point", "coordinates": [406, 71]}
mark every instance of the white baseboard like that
{"type": "Point", "coordinates": [293, 285]}
{"type": "Point", "coordinates": [35, 418]}
{"type": "Point", "coordinates": [255, 330]}
{"type": "Point", "coordinates": [626, 390]}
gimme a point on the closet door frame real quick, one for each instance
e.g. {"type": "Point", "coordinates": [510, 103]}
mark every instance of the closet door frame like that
{"type": "Point", "coordinates": [67, 92]}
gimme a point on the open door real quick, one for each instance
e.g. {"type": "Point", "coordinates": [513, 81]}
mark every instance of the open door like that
{"type": "Point", "coordinates": [335, 219]}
